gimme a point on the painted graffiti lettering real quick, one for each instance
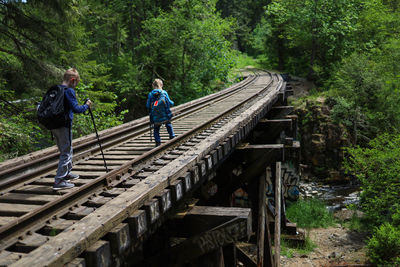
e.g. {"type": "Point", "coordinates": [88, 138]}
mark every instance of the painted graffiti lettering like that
{"type": "Point", "coordinates": [222, 236]}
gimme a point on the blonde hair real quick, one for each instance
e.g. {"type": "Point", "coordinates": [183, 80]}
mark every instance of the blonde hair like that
{"type": "Point", "coordinates": [71, 73]}
{"type": "Point", "coordinates": [157, 84]}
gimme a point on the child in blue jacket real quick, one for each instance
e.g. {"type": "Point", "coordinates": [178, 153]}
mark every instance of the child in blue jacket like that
{"type": "Point", "coordinates": [158, 104]}
{"type": "Point", "coordinates": [63, 135]}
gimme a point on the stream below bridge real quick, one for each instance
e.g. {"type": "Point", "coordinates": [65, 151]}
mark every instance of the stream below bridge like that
{"type": "Point", "coordinates": [336, 197]}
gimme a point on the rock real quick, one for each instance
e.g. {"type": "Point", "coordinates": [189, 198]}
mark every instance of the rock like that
{"type": "Point", "coordinates": [346, 215]}
{"type": "Point", "coordinates": [333, 255]}
{"type": "Point", "coordinates": [322, 140]}
{"type": "Point", "coordinates": [355, 194]}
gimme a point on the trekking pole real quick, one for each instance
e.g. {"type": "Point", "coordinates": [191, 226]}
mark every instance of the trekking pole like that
{"type": "Point", "coordinates": [98, 138]}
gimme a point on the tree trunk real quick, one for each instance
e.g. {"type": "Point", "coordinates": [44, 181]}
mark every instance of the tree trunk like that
{"type": "Point", "coordinates": [314, 45]}
{"type": "Point", "coordinates": [281, 54]}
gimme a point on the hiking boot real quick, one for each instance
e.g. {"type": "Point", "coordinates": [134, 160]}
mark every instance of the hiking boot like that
{"type": "Point", "coordinates": [158, 144]}
{"type": "Point", "coordinates": [71, 176]}
{"type": "Point", "coordinates": [62, 185]}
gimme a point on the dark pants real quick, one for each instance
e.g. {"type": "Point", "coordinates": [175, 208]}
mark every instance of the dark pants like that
{"type": "Point", "coordinates": [170, 130]}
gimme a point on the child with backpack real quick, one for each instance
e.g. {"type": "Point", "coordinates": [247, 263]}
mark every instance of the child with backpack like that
{"type": "Point", "coordinates": [158, 104]}
{"type": "Point", "coordinates": [56, 112]}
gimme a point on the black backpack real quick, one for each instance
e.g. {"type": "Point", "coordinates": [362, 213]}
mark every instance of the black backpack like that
{"type": "Point", "coordinates": [51, 112]}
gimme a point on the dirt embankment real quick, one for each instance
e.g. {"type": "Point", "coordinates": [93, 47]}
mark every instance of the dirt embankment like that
{"type": "Point", "coordinates": [336, 246]}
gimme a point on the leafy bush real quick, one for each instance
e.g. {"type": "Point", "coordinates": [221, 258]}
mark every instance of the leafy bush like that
{"type": "Point", "coordinates": [377, 167]}
{"type": "Point", "coordinates": [347, 113]}
{"type": "Point", "coordinates": [310, 214]}
{"type": "Point", "coordinates": [21, 133]}
{"type": "Point", "coordinates": [384, 246]}
{"type": "Point", "coordinates": [104, 111]}
{"type": "Point", "coordinates": [343, 112]}
{"type": "Point", "coordinates": [18, 136]}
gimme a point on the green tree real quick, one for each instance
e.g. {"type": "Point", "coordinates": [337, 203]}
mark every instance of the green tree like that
{"type": "Point", "coordinates": [118, 47]}
{"type": "Point", "coordinates": [371, 81]}
{"type": "Point", "coordinates": [187, 47]}
{"type": "Point", "coordinates": [310, 34]}
{"type": "Point", "coordinates": [247, 14]}
{"type": "Point", "coordinates": [33, 36]}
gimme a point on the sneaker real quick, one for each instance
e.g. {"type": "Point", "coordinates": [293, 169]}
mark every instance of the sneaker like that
{"type": "Point", "coordinates": [71, 176]}
{"type": "Point", "coordinates": [62, 185]}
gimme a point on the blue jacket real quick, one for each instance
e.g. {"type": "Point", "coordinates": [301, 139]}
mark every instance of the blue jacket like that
{"type": "Point", "coordinates": [71, 105]}
{"type": "Point", "coordinates": [151, 98]}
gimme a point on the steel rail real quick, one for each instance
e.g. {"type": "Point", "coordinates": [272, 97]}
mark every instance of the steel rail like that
{"type": "Point", "coordinates": [89, 147]}
{"type": "Point", "coordinates": [26, 221]}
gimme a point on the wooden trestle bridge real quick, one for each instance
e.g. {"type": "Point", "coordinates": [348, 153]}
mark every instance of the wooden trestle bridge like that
{"type": "Point", "coordinates": [172, 205]}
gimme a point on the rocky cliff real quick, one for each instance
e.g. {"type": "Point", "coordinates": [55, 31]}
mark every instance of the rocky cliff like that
{"type": "Point", "coordinates": [322, 140]}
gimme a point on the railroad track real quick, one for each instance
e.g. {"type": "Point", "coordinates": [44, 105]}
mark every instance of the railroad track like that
{"type": "Point", "coordinates": [32, 215]}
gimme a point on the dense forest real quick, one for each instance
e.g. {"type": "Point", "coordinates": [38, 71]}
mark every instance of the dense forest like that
{"type": "Point", "coordinates": [349, 48]}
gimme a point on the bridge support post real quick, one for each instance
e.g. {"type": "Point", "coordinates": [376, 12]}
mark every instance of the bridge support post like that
{"type": "Point", "coordinates": [277, 236]}
{"type": "Point", "coordinates": [209, 234]}
{"type": "Point", "coordinates": [264, 248]}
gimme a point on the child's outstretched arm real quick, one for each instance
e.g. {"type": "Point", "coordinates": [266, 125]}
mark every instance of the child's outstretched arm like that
{"type": "Point", "coordinates": [171, 103]}
{"type": "Point", "coordinates": [73, 103]}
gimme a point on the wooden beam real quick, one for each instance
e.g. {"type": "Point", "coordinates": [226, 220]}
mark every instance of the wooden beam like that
{"type": "Point", "coordinates": [277, 239]}
{"type": "Point", "coordinates": [247, 146]}
{"type": "Point", "coordinates": [137, 223]}
{"type": "Point", "coordinates": [203, 218]}
{"type": "Point", "coordinates": [77, 262]}
{"type": "Point", "coordinates": [280, 111]}
{"type": "Point", "coordinates": [244, 258]}
{"type": "Point", "coordinates": [276, 121]}
{"type": "Point", "coordinates": [220, 236]}
{"type": "Point", "coordinates": [119, 239]}
{"type": "Point", "coordinates": [261, 220]}
{"type": "Point", "coordinates": [99, 254]}
{"type": "Point", "coordinates": [230, 258]}
{"type": "Point", "coordinates": [257, 166]}
{"type": "Point", "coordinates": [268, 257]}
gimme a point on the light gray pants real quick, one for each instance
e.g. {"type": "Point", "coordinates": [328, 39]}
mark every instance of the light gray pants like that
{"type": "Point", "coordinates": [64, 142]}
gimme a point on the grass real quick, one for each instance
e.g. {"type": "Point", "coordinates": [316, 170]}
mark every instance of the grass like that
{"type": "Point", "coordinates": [306, 214]}
{"type": "Point", "coordinates": [356, 223]}
{"type": "Point", "coordinates": [310, 214]}
{"type": "Point", "coordinates": [242, 61]}
{"type": "Point", "coordinates": [288, 249]}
